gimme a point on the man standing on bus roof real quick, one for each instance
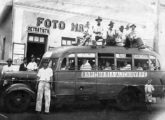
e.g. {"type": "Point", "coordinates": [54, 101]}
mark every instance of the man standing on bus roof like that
{"type": "Point", "coordinates": [45, 75]}
{"type": "Point", "coordinates": [87, 34]}
{"type": "Point", "coordinates": [110, 41]}
{"type": "Point", "coordinates": [135, 40]}
{"type": "Point", "coordinates": [98, 31]}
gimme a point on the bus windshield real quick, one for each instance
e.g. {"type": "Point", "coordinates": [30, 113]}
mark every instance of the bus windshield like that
{"type": "Point", "coordinates": [52, 62]}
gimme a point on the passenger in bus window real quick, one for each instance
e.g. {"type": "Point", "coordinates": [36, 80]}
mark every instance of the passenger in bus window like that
{"type": "Point", "coordinates": [71, 64]}
{"type": "Point", "coordinates": [113, 67]}
{"type": "Point", "coordinates": [107, 66]}
{"type": "Point", "coordinates": [145, 66]}
{"type": "Point", "coordinates": [85, 65]}
{"type": "Point", "coordinates": [63, 64]}
{"type": "Point", "coordinates": [126, 66]}
{"type": "Point", "coordinates": [152, 65]}
{"type": "Point", "coordinates": [139, 67]}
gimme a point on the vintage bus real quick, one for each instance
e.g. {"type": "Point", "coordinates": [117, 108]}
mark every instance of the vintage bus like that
{"type": "Point", "coordinates": [84, 73]}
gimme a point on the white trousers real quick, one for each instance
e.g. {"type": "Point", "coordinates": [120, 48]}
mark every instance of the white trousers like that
{"type": "Point", "coordinates": [43, 88]}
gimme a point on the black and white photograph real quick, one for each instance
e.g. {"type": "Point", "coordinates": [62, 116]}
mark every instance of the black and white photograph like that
{"type": "Point", "coordinates": [82, 59]}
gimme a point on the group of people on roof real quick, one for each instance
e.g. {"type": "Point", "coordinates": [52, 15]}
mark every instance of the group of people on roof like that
{"type": "Point", "coordinates": [124, 36]}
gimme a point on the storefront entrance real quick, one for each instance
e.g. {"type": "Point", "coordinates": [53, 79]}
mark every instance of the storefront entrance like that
{"type": "Point", "coordinates": [36, 45]}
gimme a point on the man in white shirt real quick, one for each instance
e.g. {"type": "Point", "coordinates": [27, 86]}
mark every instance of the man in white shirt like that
{"type": "Point", "coordinates": [148, 91]}
{"type": "Point", "coordinates": [45, 75]}
{"type": "Point", "coordinates": [8, 67]}
{"type": "Point", "coordinates": [32, 65]}
{"type": "Point", "coordinates": [135, 40]}
{"type": "Point", "coordinates": [120, 39]}
{"type": "Point", "coordinates": [98, 32]}
{"type": "Point", "coordinates": [86, 65]}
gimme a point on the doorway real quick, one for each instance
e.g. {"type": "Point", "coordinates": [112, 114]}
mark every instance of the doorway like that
{"type": "Point", "coordinates": [36, 45]}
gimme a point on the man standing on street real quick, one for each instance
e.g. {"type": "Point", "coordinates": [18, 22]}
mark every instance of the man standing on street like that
{"type": "Point", "coordinates": [8, 67]}
{"type": "Point", "coordinates": [45, 75]}
{"type": "Point", "coordinates": [23, 66]}
{"type": "Point", "coordinates": [32, 66]}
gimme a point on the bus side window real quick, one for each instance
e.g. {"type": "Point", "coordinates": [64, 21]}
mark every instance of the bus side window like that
{"type": "Point", "coordinates": [158, 67]}
{"type": "Point", "coordinates": [152, 63]}
{"type": "Point", "coordinates": [71, 64]}
{"type": "Point", "coordinates": [141, 62]}
{"type": "Point", "coordinates": [124, 61]}
{"type": "Point", "coordinates": [106, 61]}
{"type": "Point", "coordinates": [63, 64]}
{"type": "Point", "coordinates": [86, 61]}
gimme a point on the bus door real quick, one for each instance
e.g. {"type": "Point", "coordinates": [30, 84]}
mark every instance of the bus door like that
{"type": "Point", "coordinates": [156, 75]}
{"type": "Point", "coordinates": [85, 82]}
{"type": "Point", "coordinates": [65, 83]}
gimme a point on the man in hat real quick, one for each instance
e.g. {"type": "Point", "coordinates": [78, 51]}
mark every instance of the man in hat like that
{"type": "Point", "coordinates": [120, 38]}
{"type": "Point", "coordinates": [32, 66]}
{"type": "Point", "coordinates": [134, 39]}
{"type": "Point", "coordinates": [23, 66]}
{"type": "Point", "coordinates": [98, 31]}
{"type": "Point", "coordinates": [8, 67]}
{"type": "Point", "coordinates": [45, 79]}
{"type": "Point", "coordinates": [110, 41]}
{"type": "Point", "coordinates": [127, 32]}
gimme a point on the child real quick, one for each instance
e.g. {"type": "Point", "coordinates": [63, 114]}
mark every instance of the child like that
{"type": "Point", "coordinates": [148, 93]}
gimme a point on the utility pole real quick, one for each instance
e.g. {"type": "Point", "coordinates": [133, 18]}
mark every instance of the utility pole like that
{"type": "Point", "coordinates": [156, 39]}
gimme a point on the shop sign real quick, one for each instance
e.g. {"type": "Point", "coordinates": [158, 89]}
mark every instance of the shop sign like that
{"type": "Point", "coordinates": [33, 29]}
{"type": "Point", "coordinates": [56, 24]}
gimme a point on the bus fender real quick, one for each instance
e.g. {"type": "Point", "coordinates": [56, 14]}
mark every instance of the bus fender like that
{"type": "Point", "coordinates": [20, 87]}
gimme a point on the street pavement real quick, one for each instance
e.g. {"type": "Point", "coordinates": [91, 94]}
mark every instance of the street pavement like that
{"type": "Point", "coordinates": [91, 112]}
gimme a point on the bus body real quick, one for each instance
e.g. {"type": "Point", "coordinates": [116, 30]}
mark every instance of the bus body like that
{"type": "Point", "coordinates": [71, 83]}
{"type": "Point", "coordinates": [101, 84]}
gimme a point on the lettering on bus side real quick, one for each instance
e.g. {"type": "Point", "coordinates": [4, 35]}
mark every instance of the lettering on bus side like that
{"type": "Point", "coordinates": [113, 74]}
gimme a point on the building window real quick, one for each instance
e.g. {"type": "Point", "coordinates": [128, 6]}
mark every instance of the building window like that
{"type": "Point", "coordinates": [66, 41]}
{"type": "Point", "coordinates": [36, 38]}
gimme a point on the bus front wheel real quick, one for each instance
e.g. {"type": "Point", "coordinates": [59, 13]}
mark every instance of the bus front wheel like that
{"type": "Point", "coordinates": [18, 101]}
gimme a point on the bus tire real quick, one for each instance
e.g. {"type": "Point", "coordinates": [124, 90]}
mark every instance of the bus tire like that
{"type": "Point", "coordinates": [127, 99]}
{"type": "Point", "coordinates": [18, 101]}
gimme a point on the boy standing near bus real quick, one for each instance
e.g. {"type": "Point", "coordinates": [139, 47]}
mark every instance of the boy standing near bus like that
{"type": "Point", "coordinates": [148, 93]}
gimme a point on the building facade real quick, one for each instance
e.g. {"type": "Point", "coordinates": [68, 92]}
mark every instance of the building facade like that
{"type": "Point", "coordinates": [32, 30]}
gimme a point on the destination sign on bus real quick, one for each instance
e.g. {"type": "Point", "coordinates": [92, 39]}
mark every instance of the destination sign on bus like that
{"type": "Point", "coordinates": [113, 74]}
{"type": "Point", "coordinates": [141, 56]}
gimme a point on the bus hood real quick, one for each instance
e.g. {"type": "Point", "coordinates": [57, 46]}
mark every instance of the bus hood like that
{"type": "Point", "coordinates": [23, 75]}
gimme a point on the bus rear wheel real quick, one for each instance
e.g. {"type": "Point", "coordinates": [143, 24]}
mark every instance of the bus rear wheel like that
{"type": "Point", "coordinates": [127, 100]}
{"type": "Point", "coordinates": [18, 101]}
